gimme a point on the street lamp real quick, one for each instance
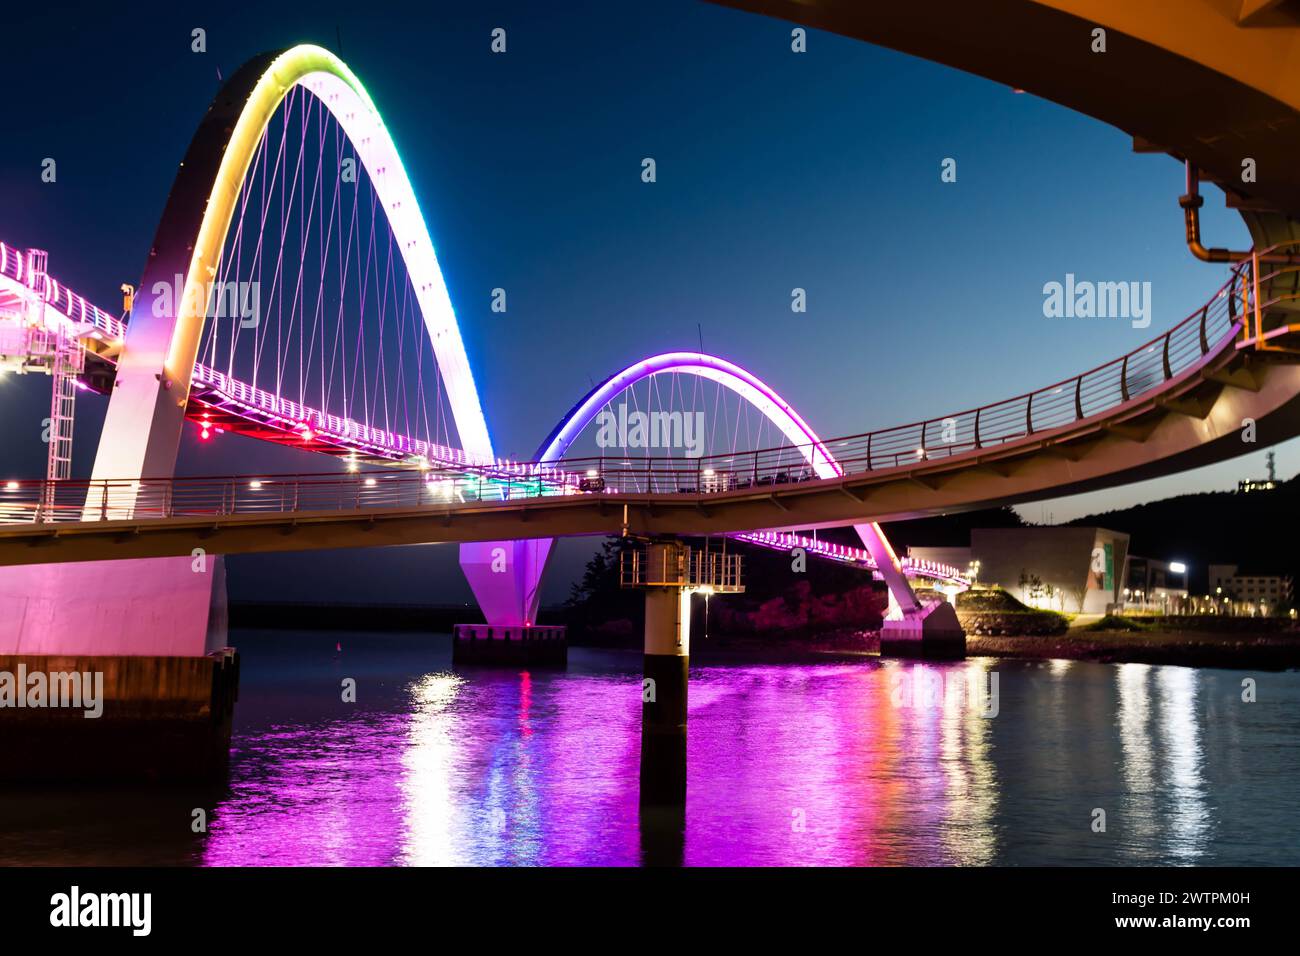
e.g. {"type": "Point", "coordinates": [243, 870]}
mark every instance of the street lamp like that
{"type": "Point", "coordinates": [1180, 567]}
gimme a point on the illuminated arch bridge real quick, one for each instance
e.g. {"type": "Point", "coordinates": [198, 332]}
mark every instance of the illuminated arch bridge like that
{"type": "Point", "coordinates": [223, 402]}
{"type": "Point", "coordinates": [343, 342]}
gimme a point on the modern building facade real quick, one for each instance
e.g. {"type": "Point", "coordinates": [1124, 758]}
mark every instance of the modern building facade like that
{"type": "Point", "coordinates": [1151, 584]}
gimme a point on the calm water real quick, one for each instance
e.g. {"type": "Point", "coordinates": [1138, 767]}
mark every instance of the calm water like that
{"type": "Point", "coordinates": [789, 764]}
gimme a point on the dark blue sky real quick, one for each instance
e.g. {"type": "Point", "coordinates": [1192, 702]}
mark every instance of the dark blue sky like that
{"type": "Point", "coordinates": [775, 170]}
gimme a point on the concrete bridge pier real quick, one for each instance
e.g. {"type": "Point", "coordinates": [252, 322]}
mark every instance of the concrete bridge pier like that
{"type": "Point", "coordinates": [116, 670]}
{"type": "Point", "coordinates": [506, 578]}
{"type": "Point", "coordinates": [670, 572]}
{"type": "Point", "coordinates": [664, 695]}
{"type": "Point", "coordinates": [932, 632]}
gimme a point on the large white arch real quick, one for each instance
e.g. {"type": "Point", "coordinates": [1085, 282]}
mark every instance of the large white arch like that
{"type": "Point", "coordinates": [146, 411]}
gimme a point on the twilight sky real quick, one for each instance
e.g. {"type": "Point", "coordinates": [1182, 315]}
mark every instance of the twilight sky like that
{"type": "Point", "coordinates": [775, 170]}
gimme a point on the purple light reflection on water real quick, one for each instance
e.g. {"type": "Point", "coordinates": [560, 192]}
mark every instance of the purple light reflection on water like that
{"type": "Point", "coordinates": [825, 747]}
{"type": "Point", "coordinates": [453, 772]}
{"type": "Point", "coordinates": [788, 765]}
{"type": "Point", "coordinates": [325, 794]}
{"type": "Point", "coordinates": [500, 767]}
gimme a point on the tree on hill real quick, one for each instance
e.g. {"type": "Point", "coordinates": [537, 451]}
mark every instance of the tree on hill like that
{"type": "Point", "coordinates": [597, 598]}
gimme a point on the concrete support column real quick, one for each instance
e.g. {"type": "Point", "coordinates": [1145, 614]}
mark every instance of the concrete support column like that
{"type": "Point", "coordinates": [147, 637]}
{"type": "Point", "coordinates": [933, 632]}
{"type": "Point", "coordinates": [901, 596]}
{"type": "Point", "coordinates": [663, 708]}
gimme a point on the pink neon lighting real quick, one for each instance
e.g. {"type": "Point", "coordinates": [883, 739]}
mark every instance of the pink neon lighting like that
{"type": "Point", "coordinates": [708, 366]}
{"type": "Point", "coordinates": [912, 567]}
{"type": "Point", "coordinates": [71, 305]}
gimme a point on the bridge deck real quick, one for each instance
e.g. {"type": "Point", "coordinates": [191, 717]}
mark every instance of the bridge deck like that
{"type": "Point", "coordinates": [1176, 402]}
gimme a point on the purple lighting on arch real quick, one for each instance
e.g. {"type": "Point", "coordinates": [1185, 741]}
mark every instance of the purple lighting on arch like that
{"type": "Point", "coordinates": [750, 388]}
{"type": "Point", "coordinates": [711, 367]}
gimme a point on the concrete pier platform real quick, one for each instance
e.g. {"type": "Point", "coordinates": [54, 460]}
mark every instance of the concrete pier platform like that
{"type": "Point", "coordinates": [509, 646]}
{"type": "Point", "coordinates": [132, 718]}
{"type": "Point", "coordinates": [933, 634]}
{"type": "Point", "coordinates": [116, 670]}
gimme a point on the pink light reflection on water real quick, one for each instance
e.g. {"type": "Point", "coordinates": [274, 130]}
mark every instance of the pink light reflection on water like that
{"type": "Point", "coordinates": [518, 768]}
{"type": "Point", "coordinates": [826, 748]}
{"type": "Point", "coordinates": [435, 766]}
{"type": "Point", "coordinates": [323, 794]}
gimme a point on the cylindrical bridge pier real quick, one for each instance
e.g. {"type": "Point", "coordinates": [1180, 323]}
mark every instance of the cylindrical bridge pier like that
{"type": "Point", "coordinates": [670, 572]}
{"type": "Point", "coordinates": [663, 695]}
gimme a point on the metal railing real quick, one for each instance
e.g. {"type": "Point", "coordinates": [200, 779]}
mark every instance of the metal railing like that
{"type": "Point", "coordinates": [25, 502]}
{"type": "Point", "coordinates": [680, 566]}
{"type": "Point", "coordinates": [1138, 374]}
{"type": "Point", "coordinates": [223, 393]}
{"type": "Point", "coordinates": [63, 299]}
{"type": "Point", "coordinates": [850, 554]}
{"type": "Point", "coordinates": [1272, 295]}
{"type": "Point", "coordinates": [216, 390]}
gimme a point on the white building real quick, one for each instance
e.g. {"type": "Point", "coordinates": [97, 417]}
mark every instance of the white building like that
{"type": "Point", "coordinates": [1248, 592]}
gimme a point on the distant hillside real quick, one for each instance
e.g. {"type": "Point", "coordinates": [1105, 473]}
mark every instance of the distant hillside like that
{"type": "Point", "coordinates": [1256, 531]}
